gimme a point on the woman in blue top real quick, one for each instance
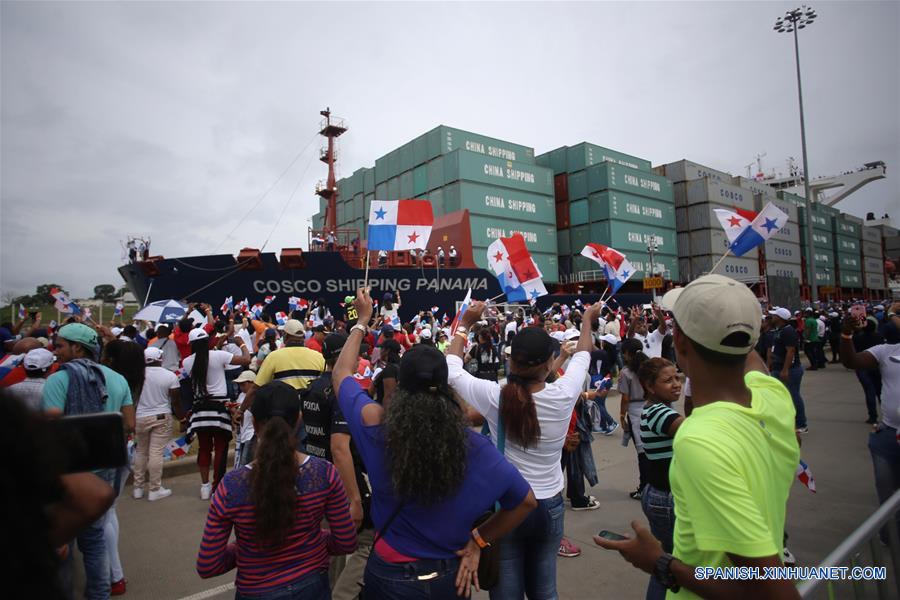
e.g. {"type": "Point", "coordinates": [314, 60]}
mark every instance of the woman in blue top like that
{"type": "Point", "coordinates": [431, 477]}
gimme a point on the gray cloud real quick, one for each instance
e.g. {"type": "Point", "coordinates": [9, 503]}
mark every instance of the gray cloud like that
{"type": "Point", "coordinates": [171, 119]}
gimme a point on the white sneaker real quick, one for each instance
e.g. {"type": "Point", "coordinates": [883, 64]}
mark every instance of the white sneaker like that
{"type": "Point", "coordinates": [205, 491]}
{"type": "Point", "coordinates": [137, 493]}
{"type": "Point", "coordinates": [159, 494]}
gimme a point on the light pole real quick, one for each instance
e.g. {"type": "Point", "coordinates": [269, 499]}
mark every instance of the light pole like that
{"type": "Point", "coordinates": [651, 248]}
{"type": "Point", "coordinates": [791, 22]}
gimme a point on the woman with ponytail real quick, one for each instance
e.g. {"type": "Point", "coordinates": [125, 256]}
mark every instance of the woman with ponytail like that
{"type": "Point", "coordinates": [276, 505]}
{"type": "Point", "coordinates": [210, 420]}
{"type": "Point", "coordinates": [533, 418]}
{"type": "Point", "coordinates": [632, 404]}
{"type": "Point", "coordinates": [432, 477]}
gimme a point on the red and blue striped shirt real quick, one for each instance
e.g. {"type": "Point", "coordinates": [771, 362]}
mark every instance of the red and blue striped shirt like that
{"type": "Point", "coordinates": [306, 548]}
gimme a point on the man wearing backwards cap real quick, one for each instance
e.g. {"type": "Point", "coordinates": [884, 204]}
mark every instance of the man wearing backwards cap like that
{"type": "Point", "coordinates": [734, 458]}
{"type": "Point", "coordinates": [37, 365]}
{"type": "Point", "coordinates": [81, 386]}
{"type": "Point", "coordinates": [784, 362]}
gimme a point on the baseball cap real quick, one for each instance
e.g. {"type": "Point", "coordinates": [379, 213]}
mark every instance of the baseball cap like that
{"type": "Point", "coordinates": [425, 334]}
{"type": "Point", "coordinates": [117, 331]}
{"type": "Point", "coordinates": [270, 333]}
{"type": "Point", "coordinates": [781, 313]}
{"type": "Point", "coordinates": [716, 312]}
{"type": "Point", "coordinates": [80, 333]}
{"type": "Point", "coordinates": [388, 328]}
{"type": "Point", "coordinates": [152, 354]}
{"type": "Point", "coordinates": [197, 334]}
{"type": "Point", "coordinates": [247, 375]}
{"type": "Point", "coordinates": [293, 327]}
{"type": "Point", "coordinates": [609, 338]}
{"type": "Point", "coordinates": [531, 347]}
{"type": "Point", "coordinates": [276, 399]}
{"type": "Point", "coordinates": [879, 307]}
{"type": "Point", "coordinates": [332, 345]}
{"type": "Point", "coordinates": [559, 336]}
{"type": "Point", "coordinates": [39, 358]}
{"type": "Point", "coordinates": [422, 367]}
{"type": "Point", "coordinates": [571, 334]}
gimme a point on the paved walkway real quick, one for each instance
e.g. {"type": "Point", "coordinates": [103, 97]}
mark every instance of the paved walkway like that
{"type": "Point", "coordinates": [159, 541]}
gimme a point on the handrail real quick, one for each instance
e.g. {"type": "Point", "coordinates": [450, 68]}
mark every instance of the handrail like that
{"type": "Point", "coordinates": [869, 529]}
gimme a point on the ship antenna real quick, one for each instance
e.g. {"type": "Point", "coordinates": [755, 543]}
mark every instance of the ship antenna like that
{"type": "Point", "coordinates": [330, 129]}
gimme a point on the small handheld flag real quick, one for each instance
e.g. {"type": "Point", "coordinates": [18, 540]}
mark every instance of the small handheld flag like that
{"type": "Point", "coordinates": [618, 269]}
{"type": "Point", "coordinates": [516, 271]}
{"type": "Point", "coordinates": [228, 305]}
{"type": "Point", "coordinates": [734, 222]}
{"type": "Point", "coordinates": [769, 220]}
{"type": "Point", "coordinates": [63, 303]}
{"type": "Point", "coordinates": [257, 310]}
{"type": "Point", "coordinates": [242, 307]}
{"type": "Point", "coordinates": [21, 311]}
{"type": "Point", "coordinates": [177, 448]}
{"type": "Point", "coordinates": [281, 318]}
{"type": "Point", "coordinates": [399, 224]}
{"type": "Point", "coordinates": [120, 308]}
{"type": "Point", "coordinates": [806, 477]}
{"type": "Point", "coordinates": [462, 309]}
{"type": "Point", "coordinates": [434, 310]}
{"type": "Point", "coordinates": [269, 299]}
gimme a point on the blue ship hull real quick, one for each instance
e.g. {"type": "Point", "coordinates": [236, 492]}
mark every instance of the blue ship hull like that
{"type": "Point", "coordinates": [212, 278]}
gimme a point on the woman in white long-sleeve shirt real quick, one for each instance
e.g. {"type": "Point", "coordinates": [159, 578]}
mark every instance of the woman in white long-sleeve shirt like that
{"type": "Point", "coordinates": [535, 418]}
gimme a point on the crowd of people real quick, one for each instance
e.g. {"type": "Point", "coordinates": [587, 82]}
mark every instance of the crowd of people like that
{"type": "Point", "coordinates": [440, 455]}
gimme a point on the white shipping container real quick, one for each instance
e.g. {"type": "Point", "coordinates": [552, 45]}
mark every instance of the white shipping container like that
{"type": "Point", "coordinates": [790, 232]}
{"type": "Point", "coordinates": [873, 265]}
{"type": "Point", "coordinates": [872, 249]}
{"type": "Point", "coordinates": [780, 269]}
{"type": "Point", "coordinates": [713, 241]}
{"type": "Point", "coordinates": [783, 252]}
{"type": "Point", "coordinates": [871, 234]}
{"type": "Point", "coordinates": [685, 170]}
{"type": "Point", "coordinates": [875, 282]}
{"type": "Point", "coordinates": [754, 186]}
{"type": "Point", "coordinates": [783, 205]}
{"type": "Point", "coordinates": [741, 269]}
{"type": "Point", "coordinates": [702, 191]}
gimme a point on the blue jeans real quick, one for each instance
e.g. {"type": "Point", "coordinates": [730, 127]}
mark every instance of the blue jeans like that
{"type": "Point", "coordinates": [867, 380]}
{"type": "Point", "coordinates": [312, 586]}
{"type": "Point", "coordinates": [92, 545]}
{"type": "Point", "coordinates": [528, 554]}
{"type": "Point", "coordinates": [419, 580]}
{"type": "Point", "coordinates": [885, 453]}
{"type": "Point", "coordinates": [659, 507]}
{"type": "Point", "coordinates": [606, 420]}
{"type": "Point", "coordinates": [795, 376]}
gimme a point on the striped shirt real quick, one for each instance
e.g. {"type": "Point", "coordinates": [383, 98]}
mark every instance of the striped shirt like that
{"type": "Point", "coordinates": [295, 365]}
{"type": "Point", "coordinates": [306, 548]}
{"type": "Point", "coordinates": [656, 419]}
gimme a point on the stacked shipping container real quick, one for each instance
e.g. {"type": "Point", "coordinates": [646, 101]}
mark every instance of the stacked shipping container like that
{"type": "Point", "coordinates": [873, 258]}
{"type": "Point", "coordinates": [611, 198]}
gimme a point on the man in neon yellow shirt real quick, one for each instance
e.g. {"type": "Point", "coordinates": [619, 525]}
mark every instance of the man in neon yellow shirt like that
{"type": "Point", "coordinates": [734, 458]}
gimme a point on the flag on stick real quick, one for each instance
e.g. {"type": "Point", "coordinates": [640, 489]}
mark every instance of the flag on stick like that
{"type": "Point", "coordinates": [120, 309]}
{"type": "Point", "coordinates": [399, 224]}
{"type": "Point", "coordinates": [769, 220]}
{"type": "Point", "coordinates": [228, 305]}
{"type": "Point", "coordinates": [806, 477]}
{"type": "Point", "coordinates": [462, 309]}
{"type": "Point", "coordinates": [617, 268]}
{"type": "Point", "coordinates": [734, 222]}
{"type": "Point", "coordinates": [516, 271]}
{"type": "Point", "coordinates": [63, 303]}
{"type": "Point", "coordinates": [21, 311]}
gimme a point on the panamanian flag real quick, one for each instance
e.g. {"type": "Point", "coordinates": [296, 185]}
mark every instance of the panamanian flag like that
{"type": "Point", "coordinates": [400, 224]}
{"type": "Point", "coordinates": [281, 318]}
{"type": "Point", "coordinates": [294, 303]}
{"type": "Point", "coordinates": [63, 303]}
{"type": "Point", "coordinates": [617, 268]}
{"type": "Point", "coordinates": [516, 271]}
{"type": "Point", "coordinates": [257, 310]}
{"type": "Point", "coordinates": [242, 306]}
{"type": "Point", "coordinates": [120, 308]}
{"type": "Point", "coordinates": [228, 305]}
{"type": "Point", "coordinates": [269, 299]}
{"type": "Point", "coordinates": [769, 220]}
{"type": "Point", "coordinates": [734, 222]}
{"type": "Point", "coordinates": [21, 311]}
{"type": "Point", "coordinates": [177, 448]}
{"type": "Point", "coordinates": [465, 306]}
{"type": "Point", "coordinates": [806, 477]}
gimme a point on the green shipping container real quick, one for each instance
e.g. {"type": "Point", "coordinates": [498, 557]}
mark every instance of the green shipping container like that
{"type": "Point", "coordinates": [381, 191]}
{"type": "Point", "coordinates": [500, 203]}
{"type": "Point", "coordinates": [406, 185]}
{"type": "Point", "coordinates": [420, 180]}
{"type": "Point", "coordinates": [444, 140]}
{"type": "Point", "coordinates": [435, 173]}
{"type": "Point", "coordinates": [555, 160]}
{"type": "Point", "coordinates": [607, 176]}
{"type": "Point", "coordinates": [359, 206]}
{"type": "Point", "coordinates": [578, 185]}
{"type": "Point", "coordinates": [851, 279]}
{"type": "Point", "coordinates": [822, 240]}
{"type": "Point", "coordinates": [580, 237]}
{"type": "Point", "coordinates": [628, 207]}
{"type": "Point", "coordinates": [578, 212]}
{"type": "Point", "coordinates": [849, 262]}
{"type": "Point", "coordinates": [406, 162]}
{"type": "Point", "coordinates": [538, 237]}
{"type": "Point", "coordinates": [841, 226]}
{"type": "Point", "coordinates": [381, 170]}
{"type": "Point", "coordinates": [823, 258]}
{"type": "Point", "coordinates": [563, 242]}
{"type": "Point", "coordinates": [369, 181]}
{"type": "Point", "coordinates": [798, 201]}
{"type": "Point", "coordinates": [436, 197]}
{"type": "Point", "coordinates": [393, 189]}
{"type": "Point", "coordinates": [846, 245]}
{"type": "Point", "coordinates": [547, 263]}
{"type": "Point", "coordinates": [394, 163]}
{"type": "Point", "coordinates": [470, 166]}
{"type": "Point", "coordinates": [420, 150]}
{"type": "Point", "coordinates": [824, 277]}
{"type": "Point", "coordinates": [583, 155]}
{"type": "Point", "coordinates": [820, 222]}
{"type": "Point", "coordinates": [629, 237]}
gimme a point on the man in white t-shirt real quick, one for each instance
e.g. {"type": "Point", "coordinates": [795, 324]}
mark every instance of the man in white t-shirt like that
{"type": "Point", "coordinates": [652, 341]}
{"type": "Point", "coordinates": [885, 358]}
{"type": "Point", "coordinates": [243, 452]}
{"type": "Point", "coordinates": [153, 424]}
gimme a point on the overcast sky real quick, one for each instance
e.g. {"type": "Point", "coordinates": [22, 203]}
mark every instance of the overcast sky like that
{"type": "Point", "coordinates": [171, 119]}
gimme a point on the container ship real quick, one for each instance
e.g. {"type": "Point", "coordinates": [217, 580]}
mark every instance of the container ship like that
{"type": "Point", "coordinates": [483, 188]}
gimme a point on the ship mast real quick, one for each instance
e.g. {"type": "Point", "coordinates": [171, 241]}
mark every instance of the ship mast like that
{"type": "Point", "coordinates": [331, 130]}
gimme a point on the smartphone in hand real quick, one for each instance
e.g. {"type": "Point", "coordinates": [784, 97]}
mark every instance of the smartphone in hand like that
{"type": "Point", "coordinates": [609, 535]}
{"type": "Point", "coordinates": [91, 442]}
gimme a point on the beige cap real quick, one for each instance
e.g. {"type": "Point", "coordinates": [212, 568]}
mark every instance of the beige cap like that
{"type": "Point", "coordinates": [245, 376]}
{"type": "Point", "coordinates": [293, 327]}
{"type": "Point", "coordinates": [717, 312]}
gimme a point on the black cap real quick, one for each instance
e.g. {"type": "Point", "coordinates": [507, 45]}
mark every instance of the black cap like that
{"type": "Point", "coordinates": [531, 346]}
{"type": "Point", "coordinates": [422, 367]}
{"type": "Point", "coordinates": [270, 333]}
{"type": "Point", "coordinates": [332, 345]}
{"type": "Point", "coordinates": [276, 399]}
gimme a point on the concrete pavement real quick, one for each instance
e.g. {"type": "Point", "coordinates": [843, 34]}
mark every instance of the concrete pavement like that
{"type": "Point", "coordinates": [159, 541]}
